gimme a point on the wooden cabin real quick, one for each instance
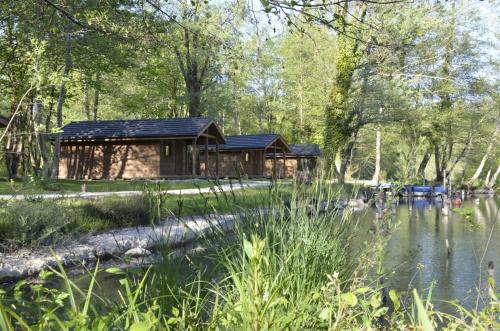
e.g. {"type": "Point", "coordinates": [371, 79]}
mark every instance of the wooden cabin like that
{"type": "Point", "coordinates": [303, 157]}
{"type": "Point", "coordinates": [136, 149]}
{"type": "Point", "coordinates": [245, 156]}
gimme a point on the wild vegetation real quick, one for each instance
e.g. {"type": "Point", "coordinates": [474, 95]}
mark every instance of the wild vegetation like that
{"type": "Point", "coordinates": [291, 269]}
{"type": "Point", "coordinates": [401, 91]}
{"type": "Point", "coordinates": [37, 221]}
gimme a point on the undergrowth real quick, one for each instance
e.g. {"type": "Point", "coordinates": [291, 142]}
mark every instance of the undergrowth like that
{"type": "Point", "coordinates": [292, 267]}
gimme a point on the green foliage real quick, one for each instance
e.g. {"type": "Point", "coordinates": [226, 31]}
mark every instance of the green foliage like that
{"type": "Point", "coordinates": [464, 211]}
{"type": "Point", "coordinates": [318, 76]}
{"type": "Point", "coordinates": [293, 268]}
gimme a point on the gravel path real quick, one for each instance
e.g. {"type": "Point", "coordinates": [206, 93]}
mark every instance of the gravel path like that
{"type": "Point", "coordinates": [92, 195]}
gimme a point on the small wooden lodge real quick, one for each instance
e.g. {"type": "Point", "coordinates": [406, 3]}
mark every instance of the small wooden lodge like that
{"type": "Point", "coordinates": [303, 157]}
{"type": "Point", "coordinates": [245, 156]}
{"type": "Point", "coordinates": [153, 148]}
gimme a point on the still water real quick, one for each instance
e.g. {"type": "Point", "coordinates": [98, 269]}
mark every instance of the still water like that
{"type": "Point", "coordinates": [417, 256]}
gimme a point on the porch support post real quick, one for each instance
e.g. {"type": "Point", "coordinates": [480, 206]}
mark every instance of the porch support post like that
{"type": "Point", "coordinates": [284, 163]}
{"type": "Point", "coordinates": [274, 162]}
{"type": "Point", "coordinates": [263, 173]}
{"type": "Point", "coordinates": [216, 158]}
{"type": "Point", "coordinates": [206, 157]}
{"type": "Point", "coordinates": [193, 158]}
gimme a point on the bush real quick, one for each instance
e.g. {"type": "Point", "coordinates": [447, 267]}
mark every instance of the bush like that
{"type": "Point", "coordinates": [25, 223]}
{"type": "Point", "coordinates": [118, 212]}
{"type": "Point", "coordinates": [46, 222]}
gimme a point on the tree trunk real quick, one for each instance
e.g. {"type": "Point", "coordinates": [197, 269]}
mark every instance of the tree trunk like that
{"type": "Point", "coordinates": [479, 169]}
{"type": "Point", "coordinates": [85, 103]}
{"type": "Point", "coordinates": [301, 110]}
{"type": "Point", "coordinates": [337, 129]}
{"type": "Point", "coordinates": [194, 96]}
{"type": "Point", "coordinates": [493, 179]}
{"type": "Point", "coordinates": [38, 107]}
{"type": "Point", "coordinates": [439, 173]}
{"type": "Point", "coordinates": [41, 138]}
{"type": "Point", "coordinates": [487, 178]}
{"type": "Point", "coordinates": [96, 95]}
{"type": "Point", "coordinates": [62, 97]}
{"type": "Point", "coordinates": [345, 160]}
{"type": "Point", "coordinates": [193, 69]}
{"type": "Point", "coordinates": [50, 109]}
{"type": "Point", "coordinates": [376, 173]}
{"type": "Point", "coordinates": [12, 149]}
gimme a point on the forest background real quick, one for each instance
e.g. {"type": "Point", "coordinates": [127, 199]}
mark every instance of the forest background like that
{"type": "Point", "coordinates": [393, 90]}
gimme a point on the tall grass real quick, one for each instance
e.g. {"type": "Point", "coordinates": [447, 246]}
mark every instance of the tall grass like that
{"type": "Point", "coordinates": [295, 266]}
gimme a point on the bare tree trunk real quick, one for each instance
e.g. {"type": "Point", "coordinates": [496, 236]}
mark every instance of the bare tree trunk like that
{"type": "Point", "coordinates": [301, 110]}
{"type": "Point", "coordinates": [423, 164]}
{"type": "Point", "coordinates": [85, 103]}
{"type": "Point", "coordinates": [62, 97]}
{"type": "Point", "coordinates": [479, 169]}
{"type": "Point", "coordinates": [376, 173]}
{"type": "Point", "coordinates": [194, 68]}
{"type": "Point", "coordinates": [493, 179]}
{"type": "Point", "coordinates": [345, 160]}
{"type": "Point", "coordinates": [96, 95]}
{"type": "Point", "coordinates": [487, 178]}
{"type": "Point", "coordinates": [466, 160]}
{"type": "Point", "coordinates": [439, 173]}
{"type": "Point", "coordinates": [38, 107]}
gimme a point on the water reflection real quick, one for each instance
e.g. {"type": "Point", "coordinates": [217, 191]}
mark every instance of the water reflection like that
{"type": "Point", "coordinates": [418, 255]}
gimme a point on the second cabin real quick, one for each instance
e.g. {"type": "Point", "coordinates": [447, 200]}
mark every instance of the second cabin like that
{"type": "Point", "coordinates": [249, 156]}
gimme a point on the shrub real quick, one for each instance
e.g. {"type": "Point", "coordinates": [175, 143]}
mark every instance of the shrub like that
{"type": "Point", "coordinates": [118, 212]}
{"type": "Point", "coordinates": [26, 223]}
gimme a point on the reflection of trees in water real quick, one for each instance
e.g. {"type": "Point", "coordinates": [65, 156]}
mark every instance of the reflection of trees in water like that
{"type": "Point", "coordinates": [478, 214]}
{"type": "Point", "coordinates": [418, 255]}
{"type": "Point", "coordinates": [492, 208]}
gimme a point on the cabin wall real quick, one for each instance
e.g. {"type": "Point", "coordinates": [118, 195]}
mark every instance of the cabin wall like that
{"type": "Point", "coordinates": [110, 160]}
{"type": "Point", "coordinates": [233, 164]}
{"type": "Point", "coordinates": [279, 167]}
{"type": "Point", "coordinates": [293, 164]}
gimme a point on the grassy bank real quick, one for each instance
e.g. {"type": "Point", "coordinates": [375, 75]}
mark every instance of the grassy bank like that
{"type": "Point", "coordinates": [290, 270]}
{"type": "Point", "coordinates": [36, 222]}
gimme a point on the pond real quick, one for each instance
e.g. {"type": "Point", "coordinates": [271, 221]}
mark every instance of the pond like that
{"type": "Point", "coordinates": [417, 255]}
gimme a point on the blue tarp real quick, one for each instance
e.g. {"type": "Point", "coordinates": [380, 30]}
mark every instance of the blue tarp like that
{"type": "Point", "coordinates": [425, 189]}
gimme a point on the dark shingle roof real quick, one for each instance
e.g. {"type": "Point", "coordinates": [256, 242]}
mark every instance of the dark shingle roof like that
{"type": "Point", "coordinates": [305, 150]}
{"type": "Point", "coordinates": [150, 128]}
{"type": "Point", "coordinates": [255, 141]}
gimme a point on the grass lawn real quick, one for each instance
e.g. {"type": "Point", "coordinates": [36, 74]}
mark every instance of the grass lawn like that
{"type": "Point", "coordinates": [62, 185]}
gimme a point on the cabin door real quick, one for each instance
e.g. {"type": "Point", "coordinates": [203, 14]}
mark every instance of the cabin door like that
{"type": "Point", "coordinates": [167, 157]}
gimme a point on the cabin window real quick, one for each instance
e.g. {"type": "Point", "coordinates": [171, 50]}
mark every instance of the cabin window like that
{"type": "Point", "coordinates": [247, 157]}
{"type": "Point", "coordinates": [167, 150]}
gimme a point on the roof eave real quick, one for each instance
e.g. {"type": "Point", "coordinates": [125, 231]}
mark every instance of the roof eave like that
{"type": "Point", "coordinates": [224, 141]}
{"type": "Point", "coordinates": [278, 136]}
